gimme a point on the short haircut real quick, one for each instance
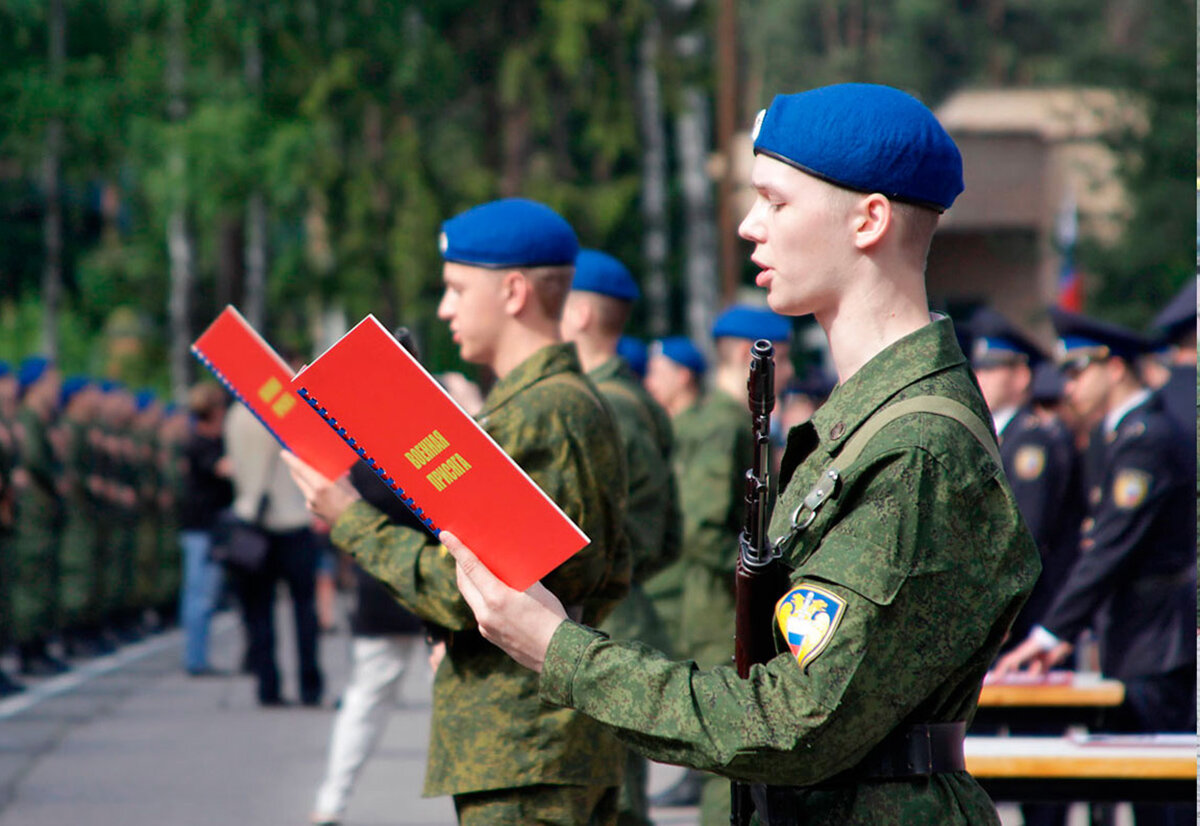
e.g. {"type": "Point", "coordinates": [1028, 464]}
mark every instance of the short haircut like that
{"type": "Point", "coordinates": [550, 286]}
{"type": "Point", "coordinates": [612, 314]}
{"type": "Point", "coordinates": [916, 224]}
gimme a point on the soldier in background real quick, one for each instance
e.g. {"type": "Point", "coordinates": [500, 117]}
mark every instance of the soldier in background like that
{"type": "Point", "coordinates": [674, 379]}
{"type": "Point", "coordinates": [505, 756]}
{"type": "Point", "coordinates": [715, 448]}
{"type": "Point", "coordinates": [79, 597]}
{"type": "Point", "coordinates": [8, 460]}
{"type": "Point", "coordinates": [39, 516]}
{"type": "Point", "coordinates": [635, 353]}
{"type": "Point", "coordinates": [1135, 579]}
{"type": "Point", "coordinates": [595, 314]}
{"type": "Point", "coordinates": [172, 469]}
{"type": "Point", "coordinates": [143, 434]}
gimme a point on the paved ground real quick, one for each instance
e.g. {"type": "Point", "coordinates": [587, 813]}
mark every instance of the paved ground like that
{"type": "Point", "coordinates": [129, 740]}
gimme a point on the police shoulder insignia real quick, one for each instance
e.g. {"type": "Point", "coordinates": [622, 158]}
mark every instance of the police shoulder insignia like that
{"type": "Point", "coordinates": [1029, 462]}
{"type": "Point", "coordinates": [1130, 488]}
{"type": "Point", "coordinates": [807, 616]}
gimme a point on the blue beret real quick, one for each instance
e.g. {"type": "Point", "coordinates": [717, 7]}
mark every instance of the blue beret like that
{"type": "Point", "coordinates": [997, 342]}
{"type": "Point", "coordinates": [867, 138]}
{"type": "Point", "coordinates": [70, 386]}
{"type": "Point", "coordinates": [512, 232]}
{"type": "Point", "coordinates": [1081, 337]}
{"type": "Point", "coordinates": [681, 351]}
{"type": "Point", "coordinates": [144, 399]}
{"type": "Point", "coordinates": [634, 352]}
{"type": "Point", "coordinates": [752, 323]}
{"type": "Point", "coordinates": [31, 369]}
{"type": "Point", "coordinates": [599, 272]}
{"type": "Point", "coordinates": [109, 385]}
{"type": "Point", "coordinates": [5, 368]}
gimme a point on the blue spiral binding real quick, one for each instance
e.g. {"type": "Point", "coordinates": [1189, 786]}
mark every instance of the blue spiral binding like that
{"type": "Point", "coordinates": [379, 471]}
{"type": "Point", "coordinates": [203, 359]}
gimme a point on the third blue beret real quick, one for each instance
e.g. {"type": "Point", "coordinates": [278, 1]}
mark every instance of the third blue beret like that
{"type": "Point", "coordinates": [752, 323]}
{"type": "Point", "coordinates": [512, 232]}
{"type": "Point", "coordinates": [599, 272]}
{"type": "Point", "coordinates": [681, 351]}
{"type": "Point", "coordinates": [864, 137]}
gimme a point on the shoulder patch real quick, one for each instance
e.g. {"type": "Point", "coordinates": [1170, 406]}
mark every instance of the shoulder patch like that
{"type": "Point", "coordinates": [1130, 488]}
{"type": "Point", "coordinates": [808, 616]}
{"type": "Point", "coordinates": [1029, 462]}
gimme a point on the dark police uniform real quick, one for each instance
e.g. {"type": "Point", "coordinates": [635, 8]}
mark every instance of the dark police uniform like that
{"type": "Point", "coordinates": [1135, 580]}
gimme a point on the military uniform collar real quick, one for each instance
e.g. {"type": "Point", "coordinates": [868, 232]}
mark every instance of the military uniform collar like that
{"type": "Point", "coordinates": [546, 362]}
{"type": "Point", "coordinates": [931, 349]}
{"type": "Point", "coordinates": [613, 368]}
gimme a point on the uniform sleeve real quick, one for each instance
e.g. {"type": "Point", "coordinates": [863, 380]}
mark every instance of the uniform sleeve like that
{"type": "Point", "coordinates": [1139, 489]}
{"type": "Point", "coordinates": [419, 573]}
{"type": "Point", "coordinates": [709, 495]}
{"type": "Point", "coordinates": [910, 642]}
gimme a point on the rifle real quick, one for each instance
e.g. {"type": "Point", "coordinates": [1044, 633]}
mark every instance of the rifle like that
{"type": "Point", "coordinates": [760, 578]}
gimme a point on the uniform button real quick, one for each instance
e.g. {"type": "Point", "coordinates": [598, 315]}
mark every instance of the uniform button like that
{"type": "Point", "coordinates": [837, 430]}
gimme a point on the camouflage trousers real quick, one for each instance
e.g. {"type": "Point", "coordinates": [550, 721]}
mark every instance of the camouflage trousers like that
{"type": "Point", "coordinates": [541, 805]}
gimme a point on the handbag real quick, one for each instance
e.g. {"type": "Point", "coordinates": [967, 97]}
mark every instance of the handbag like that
{"type": "Point", "coordinates": [242, 547]}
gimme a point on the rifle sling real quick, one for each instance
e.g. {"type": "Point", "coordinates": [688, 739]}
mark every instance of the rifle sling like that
{"type": "Point", "coordinates": [827, 484]}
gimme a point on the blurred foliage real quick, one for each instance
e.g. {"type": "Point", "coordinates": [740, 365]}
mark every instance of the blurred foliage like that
{"type": "Point", "coordinates": [365, 124]}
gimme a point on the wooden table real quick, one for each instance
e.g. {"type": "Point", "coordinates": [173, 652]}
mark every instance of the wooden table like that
{"type": "Point", "coordinates": [1059, 699]}
{"type": "Point", "coordinates": [1093, 767]}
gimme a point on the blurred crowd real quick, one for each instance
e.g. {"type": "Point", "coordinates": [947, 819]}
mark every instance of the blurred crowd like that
{"type": "Point", "coordinates": [91, 477]}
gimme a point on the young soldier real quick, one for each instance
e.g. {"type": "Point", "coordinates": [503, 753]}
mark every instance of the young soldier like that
{"type": "Point", "coordinates": [504, 755]}
{"type": "Point", "coordinates": [904, 577]}
{"type": "Point", "coordinates": [601, 299]}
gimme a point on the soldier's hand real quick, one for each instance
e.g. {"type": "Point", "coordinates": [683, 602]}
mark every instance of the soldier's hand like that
{"type": "Point", "coordinates": [1031, 657]}
{"type": "Point", "coordinates": [520, 622]}
{"type": "Point", "coordinates": [324, 498]}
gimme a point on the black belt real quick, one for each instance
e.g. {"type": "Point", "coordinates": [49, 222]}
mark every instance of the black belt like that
{"type": "Point", "coordinates": [918, 750]}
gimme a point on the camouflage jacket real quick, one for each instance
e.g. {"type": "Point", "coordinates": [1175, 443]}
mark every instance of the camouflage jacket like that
{"type": "Point", "coordinates": [713, 449]}
{"type": "Point", "coordinates": [490, 730]}
{"type": "Point", "coordinates": [901, 591]}
{"type": "Point", "coordinates": [652, 509]}
{"type": "Point", "coordinates": [40, 500]}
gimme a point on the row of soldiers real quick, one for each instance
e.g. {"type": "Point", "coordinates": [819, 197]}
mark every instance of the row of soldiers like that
{"type": "Point", "coordinates": [90, 473]}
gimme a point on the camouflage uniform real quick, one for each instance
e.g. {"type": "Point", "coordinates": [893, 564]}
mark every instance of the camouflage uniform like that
{"type": "Point", "coordinates": [714, 450]}
{"type": "Point", "coordinates": [490, 732]}
{"type": "Point", "coordinates": [925, 552]}
{"type": "Point", "coordinates": [77, 591]}
{"type": "Point", "coordinates": [39, 520]}
{"type": "Point", "coordinates": [652, 525]}
{"type": "Point", "coordinates": [8, 459]}
{"type": "Point", "coordinates": [147, 564]}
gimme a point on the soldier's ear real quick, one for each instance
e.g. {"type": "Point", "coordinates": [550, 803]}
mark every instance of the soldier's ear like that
{"type": "Point", "coordinates": [516, 291]}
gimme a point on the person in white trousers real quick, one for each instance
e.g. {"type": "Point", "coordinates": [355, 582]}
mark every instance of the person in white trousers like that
{"type": "Point", "coordinates": [384, 640]}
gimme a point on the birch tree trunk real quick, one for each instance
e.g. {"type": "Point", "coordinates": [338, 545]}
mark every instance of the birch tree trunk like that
{"type": "Point", "coordinates": [655, 234]}
{"type": "Point", "coordinates": [180, 247]}
{"type": "Point", "coordinates": [700, 235]}
{"type": "Point", "coordinates": [52, 221]}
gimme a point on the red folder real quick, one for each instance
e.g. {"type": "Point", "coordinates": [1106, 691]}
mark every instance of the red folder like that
{"type": "Point", "coordinates": [260, 379]}
{"type": "Point", "coordinates": [435, 457]}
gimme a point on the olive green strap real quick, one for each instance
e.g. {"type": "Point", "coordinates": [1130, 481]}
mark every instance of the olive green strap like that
{"type": "Point", "coordinates": [826, 485]}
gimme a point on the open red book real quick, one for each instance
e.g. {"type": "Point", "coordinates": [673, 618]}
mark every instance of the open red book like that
{"type": "Point", "coordinates": [435, 457]}
{"type": "Point", "coordinates": [260, 379]}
